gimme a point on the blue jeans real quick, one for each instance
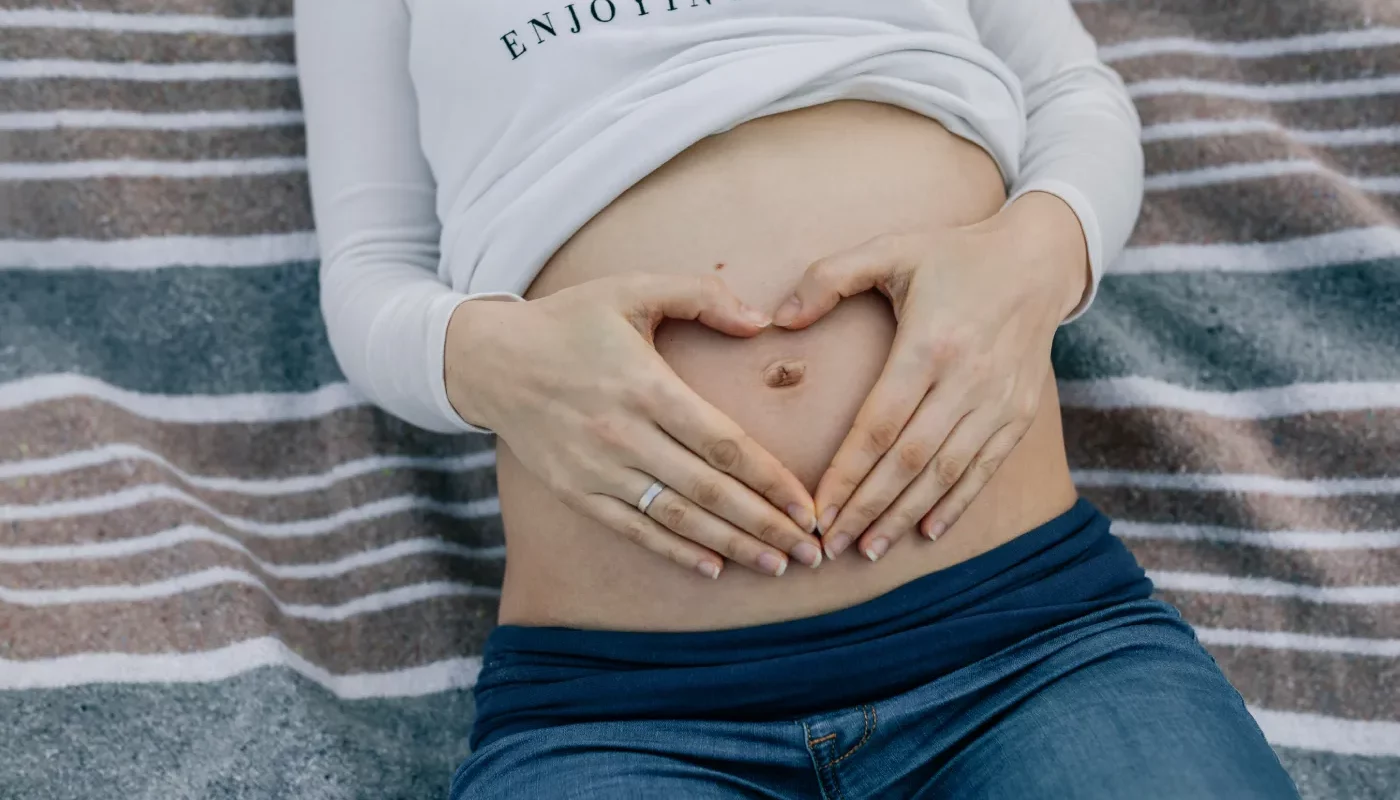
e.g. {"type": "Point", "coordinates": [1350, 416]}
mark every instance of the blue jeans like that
{"type": "Point", "coordinates": [1088, 709]}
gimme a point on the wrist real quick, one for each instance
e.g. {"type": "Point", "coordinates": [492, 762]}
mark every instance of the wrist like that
{"type": "Point", "coordinates": [1044, 233]}
{"type": "Point", "coordinates": [475, 332]}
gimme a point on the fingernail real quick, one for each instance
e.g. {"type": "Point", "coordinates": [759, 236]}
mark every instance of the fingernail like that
{"type": "Point", "coordinates": [771, 563]}
{"type": "Point", "coordinates": [757, 317]}
{"type": "Point", "coordinates": [877, 548]}
{"type": "Point", "coordinates": [936, 530]}
{"type": "Point", "coordinates": [708, 569]}
{"type": "Point", "coordinates": [802, 517]}
{"type": "Point", "coordinates": [788, 311]}
{"type": "Point", "coordinates": [828, 517]}
{"type": "Point", "coordinates": [808, 554]}
{"type": "Point", "coordinates": [837, 545]}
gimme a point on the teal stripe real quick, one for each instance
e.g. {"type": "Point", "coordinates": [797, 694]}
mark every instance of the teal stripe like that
{"type": "Point", "coordinates": [1330, 776]}
{"type": "Point", "coordinates": [193, 330]}
{"type": "Point", "coordinates": [269, 733]}
{"type": "Point", "coordinates": [1224, 331]}
{"type": "Point", "coordinates": [259, 329]}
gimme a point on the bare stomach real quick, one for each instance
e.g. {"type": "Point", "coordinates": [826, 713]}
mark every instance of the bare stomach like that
{"type": "Point", "coordinates": [756, 205]}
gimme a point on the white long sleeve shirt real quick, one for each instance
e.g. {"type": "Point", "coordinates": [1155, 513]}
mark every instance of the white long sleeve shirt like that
{"type": "Point", "coordinates": [455, 145]}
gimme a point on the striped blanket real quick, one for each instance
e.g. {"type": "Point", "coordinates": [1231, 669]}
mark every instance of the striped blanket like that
{"type": "Point", "coordinates": [222, 574]}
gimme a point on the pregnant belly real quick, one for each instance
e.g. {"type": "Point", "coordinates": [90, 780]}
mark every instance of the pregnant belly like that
{"type": "Point", "coordinates": [756, 205]}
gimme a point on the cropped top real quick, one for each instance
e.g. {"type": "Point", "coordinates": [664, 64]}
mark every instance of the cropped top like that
{"type": "Point", "coordinates": [455, 145]}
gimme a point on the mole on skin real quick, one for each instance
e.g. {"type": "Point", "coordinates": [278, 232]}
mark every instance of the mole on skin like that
{"type": "Point", "coordinates": [788, 372]}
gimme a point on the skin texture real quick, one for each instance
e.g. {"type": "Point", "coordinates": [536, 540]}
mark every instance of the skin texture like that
{"type": "Point", "coordinates": [584, 420]}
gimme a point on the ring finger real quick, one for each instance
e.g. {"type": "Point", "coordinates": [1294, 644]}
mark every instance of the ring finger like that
{"type": "Point", "coordinates": [679, 514]}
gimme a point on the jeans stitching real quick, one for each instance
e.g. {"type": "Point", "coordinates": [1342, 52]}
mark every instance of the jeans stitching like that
{"type": "Point", "coordinates": [815, 742]}
{"type": "Point", "coordinates": [871, 720]}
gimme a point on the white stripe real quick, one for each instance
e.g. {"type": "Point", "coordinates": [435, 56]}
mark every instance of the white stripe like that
{"type": "Point", "coordinates": [142, 71]}
{"type": "Point", "coordinates": [158, 252]}
{"type": "Point", "coordinates": [137, 168]}
{"type": "Point", "coordinates": [1253, 48]}
{"type": "Point", "coordinates": [1329, 734]}
{"type": "Point", "coordinates": [1305, 642]}
{"type": "Point", "coordinates": [1255, 170]}
{"type": "Point", "coordinates": [1236, 483]}
{"type": "Point", "coordinates": [184, 408]}
{"type": "Point", "coordinates": [223, 576]}
{"type": "Point", "coordinates": [143, 23]}
{"type": "Point", "coordinates": [183, 534]}
{"type": "Point", "coordinates": [1274, 540]}
{"type": "Point", "coordinates": [1268, 92]}
{"type": "Point", "coordinates": [1207, 128]}
{"type": "Point", "coordinates": [135, 120]}
{"type": "Point", "coordinates": [1281, 401]}
{"type": "Point", "coordinates": [313, 526]}
{"type": "Point", "coordinates": [230, 661]}
{"type": "Point", "coordinates": [262, 487]}
{"type": "Point", "coordinates": [1268, 587]}
{"type": "Point", "coordinates": [1323, 250]}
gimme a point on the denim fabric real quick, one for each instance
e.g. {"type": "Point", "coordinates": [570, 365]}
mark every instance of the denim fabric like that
{"type": "Point", "coordinates": [1122, 702]}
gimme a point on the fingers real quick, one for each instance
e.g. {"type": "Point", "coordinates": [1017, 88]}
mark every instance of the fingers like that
{"type": "Point", "coordinates": [706, 300]}
{"type": "Point", "coordinates": [646, 532]}
{"type": "Point", "coordinates": [716, 439]}
{"type": "Point", "coordinates": [683, 517]}
{"type": "Point", "coordinates": [924, 440]}
{"type": "Point", "coordinates": [956, 499]}
{"type": "Point", "coordinates": [844, 274]}
{"type": "Point", "coordinates": [879, 426]}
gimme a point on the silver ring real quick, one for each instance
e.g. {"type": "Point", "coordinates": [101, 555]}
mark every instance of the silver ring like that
{"type": "Point", "coordinates": [656, 488]}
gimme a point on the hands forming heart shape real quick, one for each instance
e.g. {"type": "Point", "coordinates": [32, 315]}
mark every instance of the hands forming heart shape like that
{"type": "Point", "coordinates": [574, 383]}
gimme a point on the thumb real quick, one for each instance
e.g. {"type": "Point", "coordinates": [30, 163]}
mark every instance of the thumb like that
{"type": "Point", "coordinates": [830, 280]}
{"type": "Point", "coordinates": [707, 300]}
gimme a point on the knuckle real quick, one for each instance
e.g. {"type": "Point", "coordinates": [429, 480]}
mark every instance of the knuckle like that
{"type": "Point", "coordinates": [947, 469]}
{"type": "Point", "coordinates": [987, 467]}
{"type": "Point", "coordinates": [673, 515]}
{"type": "Point", "coordinates": [635, 532]}
{"type": "Point", "coordinates": [1026, 407]}
{"type": "Point", "coordinates": [880, 436]}
{"type": "Point", "coordinates": [913, 457]}
{"type": "Point", "coordinates": [902, 521]}
{"type": "Point", "coordinates": [706, 493]}
{"type": "Point", "coordinates": [723, 454]}
{"type": "Point", "coordinates": [870, 509]}
{"type": "Point", "coordinates": [607, 429]}
{"type": "Point", "coordinates": [769, 532]}
{"type": "Point", "coordinates": [733, 548]}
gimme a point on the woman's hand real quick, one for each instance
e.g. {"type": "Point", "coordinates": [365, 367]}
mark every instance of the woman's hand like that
{"type": "Point", "coordinates": [977, 308]}
{"type": "Point", "coordinates": [574, 384]}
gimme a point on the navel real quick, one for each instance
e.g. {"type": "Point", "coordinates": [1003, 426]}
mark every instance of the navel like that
{"type": "Point", "coordinates": [787, 372]}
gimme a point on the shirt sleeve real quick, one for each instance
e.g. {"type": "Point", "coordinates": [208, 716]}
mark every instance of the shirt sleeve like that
{"type": "Point", "coordinates": [385, 308]}
{"type": "Point", "coordinates": [1083, 136]}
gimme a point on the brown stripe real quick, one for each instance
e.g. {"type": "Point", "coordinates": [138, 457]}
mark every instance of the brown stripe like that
{"type": "Point", "coordinates": [150, 48]}
{"type": "Point", "coordinates": [1261, 210]}
{"type": "Point", "coordinates": [220, 8]}
{"type": "Point", "coordinates": [1251, 511]}
{"type": "Point", "coordinates": [1334, 114]}
{"type": "Point", "coordinates": [407, 636]}
{"type": "Point", "coordinates": [76, 144]}
{"type": "Point", "coordinates": [120, 208]}
{"type": "Point", "coordinates": [1324, 445]}
{"type": "Point", "coordinates": [351, 537]}
{"type": "Point", "coordinates": [48, 94]}
{"type": "Point", "coordinates": [264, 450]}
{"type": "Point", "coordinates": [1238, 19]}
{"type": "Point", "coordinates": [379, 485]}
{"type": "Point", "coordinates": [1242, 612]}
{"type": "Point", "coordinates": [1245, 211]}
{"type": "Point", "coordinates": [192, 557]}
{"type": "Point", "coordinates": [1326, 65]}
{"type": "Point", "coordinates": [1377, 567]}
{"type": "Point", "coordinates": [1347, 686]}
{"type": "Point", "coordinates": [1187, 154]}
